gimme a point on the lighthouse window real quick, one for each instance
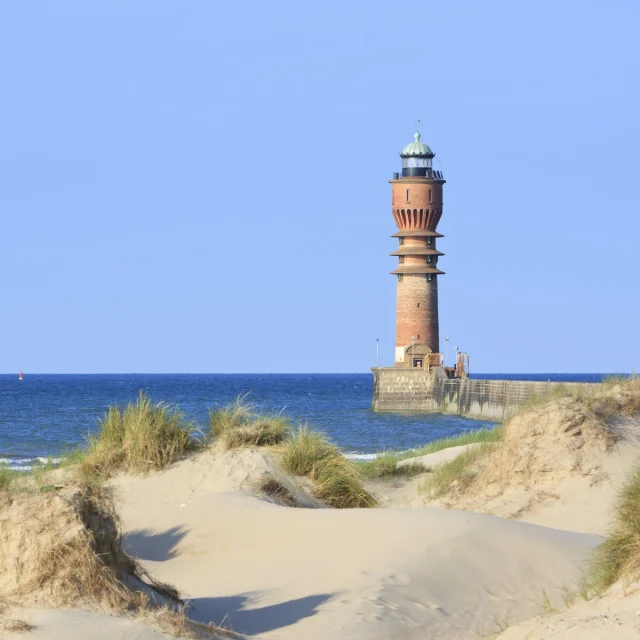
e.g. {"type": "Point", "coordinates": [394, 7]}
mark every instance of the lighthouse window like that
{"type": "Point", "coordinates": [400, 259]}
{"type": "Point", "coordinates": [418, 308]}
{"type": "Point", "coordinates": [429, 277]}
{"type": "Point", "coordinates": [399, 277]}
{"type": "Point", "coordinates": [401, 241]}
{"type": "Point", "coordinates": [408, 192]}
{"type": "Point", "coordinates": [430, 196]}
{"type": "Point", "coordinates": [427, 241]}
{"type": "Point", "coordinates": [428, 258]}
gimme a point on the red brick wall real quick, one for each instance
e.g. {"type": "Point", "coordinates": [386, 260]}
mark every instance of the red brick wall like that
{"type": "Point", "coordinates": [418, 194]}
{"type": "Point", "coordinates": [417, 311]}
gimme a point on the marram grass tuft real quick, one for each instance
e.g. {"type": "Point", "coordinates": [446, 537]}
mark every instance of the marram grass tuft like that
{"type": "Point", "coordinates": [140, 438]}
{"type": "Point", "coordinates": [240, 425]}
{"type": "Point", "coordinates": [338, 482]}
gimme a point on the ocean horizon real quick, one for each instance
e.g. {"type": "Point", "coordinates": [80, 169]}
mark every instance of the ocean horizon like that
{"type": "Point", "coordinates": [46, 415]}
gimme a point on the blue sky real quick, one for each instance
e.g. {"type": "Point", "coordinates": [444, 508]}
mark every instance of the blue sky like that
{"type": "Point", "coordinates": [202, 186]}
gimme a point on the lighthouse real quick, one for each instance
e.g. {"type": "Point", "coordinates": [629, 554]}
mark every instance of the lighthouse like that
{"type": "Point", "coordinates": [416, 203]}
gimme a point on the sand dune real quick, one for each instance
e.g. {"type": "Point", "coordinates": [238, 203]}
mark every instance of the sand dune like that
{"type": "Point", "coordinates": [275, 572]}
{"type": "Point", "coordinates": [247, 562]}
{"type": "Point", "coordinates": [76, 624]}
{"type": "Point", "coordinates": [615, 616]}
{"type": "Point", "coordinates": [552, 471]}
{"type": "Point", "coordinates": [439, 457]}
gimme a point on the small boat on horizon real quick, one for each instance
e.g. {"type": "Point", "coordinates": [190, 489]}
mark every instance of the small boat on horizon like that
{"type": "Point", "coordinates": [20, 376]}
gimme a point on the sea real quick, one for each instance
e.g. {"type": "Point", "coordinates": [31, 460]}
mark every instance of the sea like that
{"type": "Point", "coordinates": [46, 415]}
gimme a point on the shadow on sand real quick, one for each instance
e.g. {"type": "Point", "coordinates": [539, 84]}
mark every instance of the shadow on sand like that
{"type": "Point", "coordinates": [145, 545]}
{"type": "Point", "coordinates": [229, 612]}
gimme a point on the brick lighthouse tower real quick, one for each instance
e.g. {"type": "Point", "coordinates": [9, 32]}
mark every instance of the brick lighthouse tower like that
{"type": "Point", "coordinates": [416, 202]}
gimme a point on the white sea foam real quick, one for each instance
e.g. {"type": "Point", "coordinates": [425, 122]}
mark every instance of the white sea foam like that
{"type": "Point", "coordinates": [361, 456]}
{"type": "Point", "coordinates": [27, 464]}
{"type": "Point", "coordinates": [352, 455]}
{"type": "Point", "coordinates": [16, 462]}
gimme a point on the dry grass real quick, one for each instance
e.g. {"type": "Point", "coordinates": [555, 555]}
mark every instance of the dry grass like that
{"type": "Point", "coordinates": [562, 434]}
{"type": "Point", "coordinates": [59, 568]}
{"type": "Point", "coordinates": [338, 482]}
{"type": "Point", "coordinates": [457, 475]}
{"type": "Point", "coordinates": [386, 463]}
{"type": "Point", "coordinates": [614, 396]}
{"type": "Point", "coordinates": [618, 396]}
{"type": "Point", "coordinates": [275, 489]}
{"type": "Point", "coordinates": [12, 625]}
{"type": "Point", "coordinates": [618, 557]}
{"type": "Point", "coordinates": [70, 554]}
{"type": "Point", "coordinates": [80, 558]}
{"type": "Point", "coordinates": [240, 425]}
{"type": "Point", "coordinates": [174, 621]}
{"type": "Point", "coordinates": [141, 438]}
{"type": "Point", "coordinates": [556, 390]}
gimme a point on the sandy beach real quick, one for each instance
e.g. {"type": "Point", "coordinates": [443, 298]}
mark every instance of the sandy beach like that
{"type": "Point", "coordinates": [277, 572]}
{"type": "Point", "coordinates": [502, 558]}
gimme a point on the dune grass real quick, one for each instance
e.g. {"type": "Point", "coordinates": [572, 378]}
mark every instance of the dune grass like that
{"type": "Point", "coordinates": [11, 625]}
{"type": "Point", "coordinates": [601, 405]}
{"type": "Point", "coordinates": [458, 473]}
{"type": "Point", "coordinates": [385, 463]}
{"type": "Point", "coordinates": [241, 425]}
{"type": "Point", "coordinates": [338, 482]}
{"type": "Point", "coordinates": [598, 397]}
{"type": "Point", "coordinates": [7, 478]}
{"type": "Point", "coordinates": [618, 557]}
{"type": "Point", "coordinates": [276, 489]}
{"type": "Point", "coordinates": [71, 554]}
{"type": "Point", "coordinates": [304, 450]}
{"type": "Point", "coordinates": [618, 396]}
{"type": "Point", "coordinates": [140, 438]}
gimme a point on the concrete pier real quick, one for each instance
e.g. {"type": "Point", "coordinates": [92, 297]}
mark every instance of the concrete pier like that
{"type": "Point", "coordinates": [417, 390]}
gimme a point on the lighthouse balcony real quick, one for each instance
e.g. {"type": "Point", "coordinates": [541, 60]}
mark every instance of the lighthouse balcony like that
{"type": "Point", "coordinates": [411, 269]}
{"type": "Point", "coordinates": [416, 250]}
{"type": "Point", "coordinates": [417, 233]}
{"type": "Point", "coordinates": [419, 172]}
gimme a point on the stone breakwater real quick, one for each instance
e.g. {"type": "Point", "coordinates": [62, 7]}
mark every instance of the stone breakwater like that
{"type": "Point", "coordinates": [415, 390]}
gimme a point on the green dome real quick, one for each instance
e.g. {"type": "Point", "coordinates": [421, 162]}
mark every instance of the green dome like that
{"type": "Point", "coordinates": [417, 149]}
